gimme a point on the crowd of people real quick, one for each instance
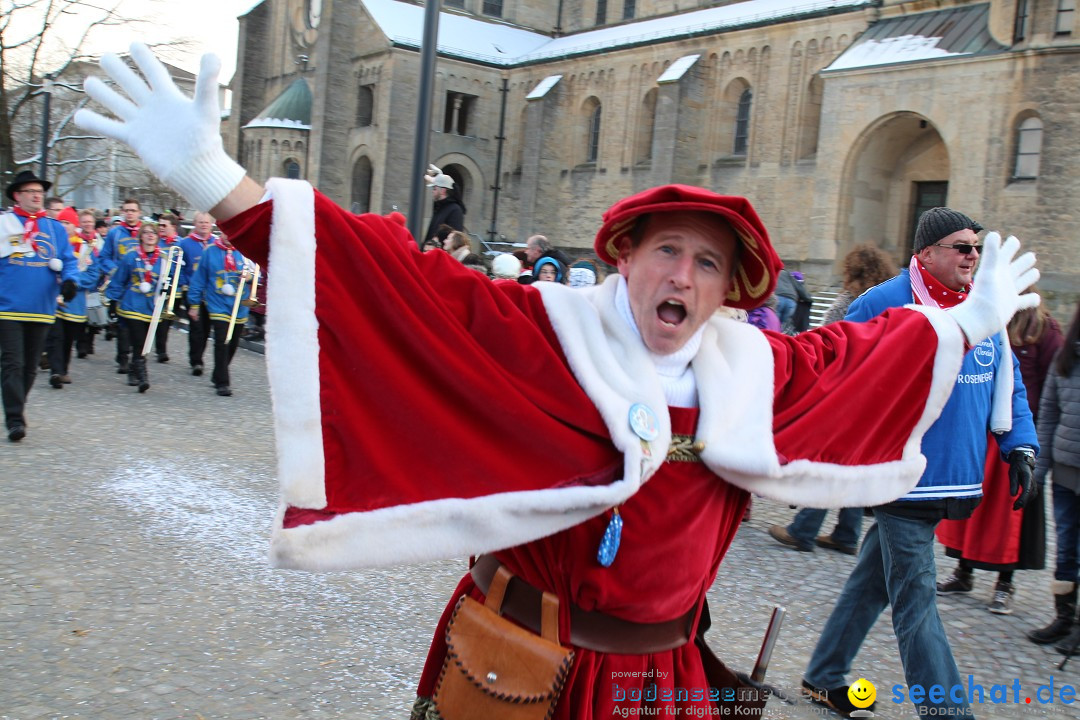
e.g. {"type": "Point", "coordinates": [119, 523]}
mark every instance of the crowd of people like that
{"type": "Point", "coordinates": [68, 275]}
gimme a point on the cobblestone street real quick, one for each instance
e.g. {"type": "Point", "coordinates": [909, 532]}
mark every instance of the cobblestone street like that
{"type": "Point", "coordinates": [134, 580]}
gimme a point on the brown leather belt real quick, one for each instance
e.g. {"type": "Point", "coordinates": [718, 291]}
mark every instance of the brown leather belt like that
{"type": "Point", "coordinates": [588, 629]}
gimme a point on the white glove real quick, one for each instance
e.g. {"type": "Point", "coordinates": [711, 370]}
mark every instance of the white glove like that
{"type": "Point", "coordinates": [178, 138]}
{"type": "Point", "coordinates": [995, 295]}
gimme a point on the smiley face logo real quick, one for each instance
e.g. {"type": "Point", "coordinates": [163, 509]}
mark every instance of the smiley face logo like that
{"type": "Point", "coordinates": [862, 693]}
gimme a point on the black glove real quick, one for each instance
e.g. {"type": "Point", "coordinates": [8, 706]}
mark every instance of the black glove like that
{"type": "Point", "coordinates": [1022, 478]}
{"type": "Point", "coordinates": [68, 290]}
{"type": "Point", "coordinates": [113, 317]}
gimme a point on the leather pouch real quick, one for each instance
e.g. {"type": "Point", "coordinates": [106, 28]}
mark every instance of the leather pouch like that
{"type": "Point", "coordinates": [497, 669]}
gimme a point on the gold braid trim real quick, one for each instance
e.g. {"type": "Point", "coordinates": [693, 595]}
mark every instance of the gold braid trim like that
{"type": "Point", "coordinates": [424, 709]}
{"type": "Point", "coordinates": [684, 449]}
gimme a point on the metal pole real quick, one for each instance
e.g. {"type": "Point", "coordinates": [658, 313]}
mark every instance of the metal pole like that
{"type": "Point", "coordinates": [504, 91]}
{"type": "Point", "coordinates": [417, 197]}
{"type": "Point", "coordinates": [46, 88]}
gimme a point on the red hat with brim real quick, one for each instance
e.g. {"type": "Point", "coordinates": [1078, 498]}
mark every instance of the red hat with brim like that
{"type": "Point", "coordinates": [759, 265]}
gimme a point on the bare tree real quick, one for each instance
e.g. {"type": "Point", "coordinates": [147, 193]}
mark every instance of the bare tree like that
{"type": "Point", "coordinates": [44, 48]}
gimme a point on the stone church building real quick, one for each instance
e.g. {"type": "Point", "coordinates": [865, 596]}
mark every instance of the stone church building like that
{"type": "Point", "coordinates": [840, 119]}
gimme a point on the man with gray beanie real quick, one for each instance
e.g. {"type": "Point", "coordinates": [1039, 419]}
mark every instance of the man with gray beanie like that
{"type": "Point", "coordinates": [896, 565]}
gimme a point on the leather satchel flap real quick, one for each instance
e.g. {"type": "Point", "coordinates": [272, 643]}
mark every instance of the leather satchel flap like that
{"type": "Point", "coordinates": [502, 659]}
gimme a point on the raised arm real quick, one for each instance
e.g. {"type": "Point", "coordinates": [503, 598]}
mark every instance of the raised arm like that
{"type": "Point", "coordinates": [177, 137]}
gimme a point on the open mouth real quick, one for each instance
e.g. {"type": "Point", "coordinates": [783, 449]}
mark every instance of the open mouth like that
{"type": "Point", "coordinates": [671, 313]}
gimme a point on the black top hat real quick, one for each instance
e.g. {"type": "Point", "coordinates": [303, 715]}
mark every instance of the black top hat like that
{"type": "Point", "coordinates": [25, 178]}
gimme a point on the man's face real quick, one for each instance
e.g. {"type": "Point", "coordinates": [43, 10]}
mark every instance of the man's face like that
{"type": "Point", "coordinates": [438, 193]}
{"type": "Point", "coordinates": [30, 197]}
{"type": "Point", "coordinates": [203, 226]}
{"type": "Point", "coordinates": [947, 265]}
{"type": "Point", "coordinates": [166, 228]}
{"type": "Point", "coordinates": [86, 223]}
{"type": "Point", "coordinates": [532, 250]}
{"type": "Point", "coordinates": [54, 209]}
{"type": "Point", "coordinates": [677, 276]}
{"type": "Point", "coordinates": [131, 213]}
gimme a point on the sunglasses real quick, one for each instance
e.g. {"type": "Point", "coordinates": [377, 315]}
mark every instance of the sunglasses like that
{"type": "Point", "coordinates": [961, 248]}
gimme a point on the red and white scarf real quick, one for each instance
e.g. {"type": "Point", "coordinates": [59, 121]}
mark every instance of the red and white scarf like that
{"type": "Point", "coordinates": [30, 227]}
{"type": "Point", "coordinates": [230, 261]}
{"type": "Point", "coordinates": [149, 261]}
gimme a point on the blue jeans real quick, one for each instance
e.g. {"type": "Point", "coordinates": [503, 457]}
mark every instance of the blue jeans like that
{"type": "Point", "coordinates": [1067, 527]}
{"type": "Point", "coordinates": [895, 567]}
{"type": "Point", "coordinates": [808, 521]}
{"type": "Point", "coordinates": [785, 309]}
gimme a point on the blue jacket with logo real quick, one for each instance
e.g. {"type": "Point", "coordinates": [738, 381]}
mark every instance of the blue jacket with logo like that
{"type": "Point", "coordinates": [955, 445]}
{"type": "Point", "coordinates": [211, 276]}
{"type": "Point", "coordinates": [28, 288]}
{"type": "Point", "coordinates": [88, 280]}
{"type": "Point", "coordinates": [120, 240]}
{"type": "Point", "coordinates": [134, 304]}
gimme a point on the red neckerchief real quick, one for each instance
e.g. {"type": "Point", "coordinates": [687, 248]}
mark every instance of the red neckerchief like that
{"type": "Point", "coordinates": [932, 289]}
{"type": "Point", "coordinates": [133, 230]}
{"type": "Point", "coordinates": [89, 238]}
{"type": "Point", "coordinates": [230, 262]}
{"type": "Point", "coordinates": [30, 226]}
{"type": "Point", "coordinates": [202, 240]}
{"type": "Point", "coordinates": [149, 262]}
{"type": "Point", "coordinates": [169, 240]}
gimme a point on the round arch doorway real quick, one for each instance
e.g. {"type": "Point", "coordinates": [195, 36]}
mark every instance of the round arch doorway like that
{"type": "Point", "coordinates": [897, 168]}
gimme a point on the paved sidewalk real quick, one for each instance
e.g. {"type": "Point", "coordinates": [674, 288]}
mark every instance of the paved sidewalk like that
{"type": "Point", "coordinates": [134, 583]}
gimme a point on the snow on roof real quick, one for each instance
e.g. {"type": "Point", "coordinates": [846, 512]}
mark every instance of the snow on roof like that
{"type": "Point", "coordinates": [500, 44]}
{"type": "Point", "coordinates": [905, 48]}
{"type": "Point", "coordinates": [543, 87]}
{"type": "Point", "coordinates": [678, 69]}
{"type": "Point", "coordinates": [953, 32]}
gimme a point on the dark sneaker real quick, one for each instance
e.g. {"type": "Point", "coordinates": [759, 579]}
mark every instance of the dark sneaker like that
{"type": "Point", "coordinates": [826, 541]}
{"type": "Point", "coordinates": [1070, 644]}
{"type": "Point", "coordinates": [836, 700]}
{"type": "Point", "coordinates": [123, 367]}
{"type": "Point", "coordinates": [1002, 602]}
{"type": "Point", "coordinates": [16, 433]}
{"type": "Point", "coordinates": [144, 386]}
{"type": "Point", "coordinates": [224, 390]}
{"type": "Point", "coordinates": [196, 370]}
{"type": "Point", "coordinates": [133, 379]}
{"type": "Point", "coordinates": [958, 582]}
{"type": "Point", "coordinates": [162, 358]}
{"type": "Point", "coordinates": [56, 382]}
{"type": "Point", "coordinates": [781, 535]}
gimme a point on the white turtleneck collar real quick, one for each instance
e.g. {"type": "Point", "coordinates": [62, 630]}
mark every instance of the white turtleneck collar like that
{"type": "Point", "coordinates": [676, 375]}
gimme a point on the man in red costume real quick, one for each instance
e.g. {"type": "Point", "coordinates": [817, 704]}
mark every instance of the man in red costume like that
{"type": "Point", "coordinates": [666, 415]}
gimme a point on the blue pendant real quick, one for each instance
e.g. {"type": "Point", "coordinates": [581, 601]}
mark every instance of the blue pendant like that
{"type": "Point", "coordinates": [609, 544]}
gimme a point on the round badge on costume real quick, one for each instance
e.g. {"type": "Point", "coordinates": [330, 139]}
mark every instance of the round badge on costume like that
{"type": "Point", "coordinates": [228, 289]}
{"type": "Point", "coordinates": [56, 264]}
{"type": "Point", "coordinates": [643, 422]}
{"type": "Point", "coordinates": [144, 287]}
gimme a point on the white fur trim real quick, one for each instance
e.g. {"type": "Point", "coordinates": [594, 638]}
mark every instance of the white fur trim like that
{"type": "Point", "coordinates": [292, 345]}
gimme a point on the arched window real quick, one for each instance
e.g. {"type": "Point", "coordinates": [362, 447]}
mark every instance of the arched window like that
{"type": "Point", "coordinates": [1028, 149]}
{"type": "Point", "coordinates": [646, 128]}
{"type": "Point", "coordinates": [365, 104]}
{"type": "Point", "coordinates": [592, 148]}
{"type": "Point", "coordinates": [292, 169]}
{"type": "Point", "coordinates": [742, 123]}
{"type": "Point", "coordinates": [361, 186]}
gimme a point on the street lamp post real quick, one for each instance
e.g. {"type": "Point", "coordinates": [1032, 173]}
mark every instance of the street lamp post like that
{"type": "Point", "coordinates": [46, 89]}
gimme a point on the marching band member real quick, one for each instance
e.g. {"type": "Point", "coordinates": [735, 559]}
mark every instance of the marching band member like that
{"type": "Point", "coordinates": [215, 285]}
{"type": "Point", "coordinates": [168, 225]}
{"type": "Point", "coordinates": [91, 242]}
{"type": "Point", "coordinates": [71, 314]}
{"type": "Point", "coordinates": [132, 287]}
{"type": "Point", "coordinates": [193, 246]}
{"type": "Point", "coordinates": [35, 256]}
{"type": "Point", "coordinates": [119, 241]}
